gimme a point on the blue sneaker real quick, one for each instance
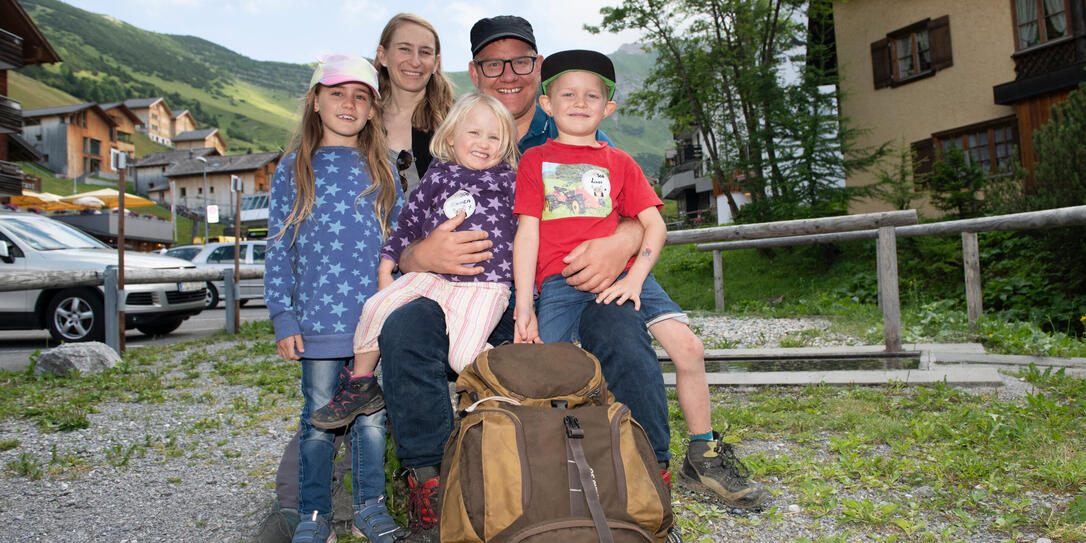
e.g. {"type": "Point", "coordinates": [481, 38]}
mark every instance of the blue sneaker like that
{"type": "Point", "coordinates": [375, 524]}
{"type": "Point", "coordinates": [316, 529]}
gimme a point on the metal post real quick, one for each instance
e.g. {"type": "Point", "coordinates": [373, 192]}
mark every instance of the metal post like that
{"type": "Point", "coordinates": [110, 313]}
{"type": "Point", "coordinates": [204, 160]}
{"type": "Point", "coordinates": [235, 187]}
{"type": "Point", "coordinates": [231, 291]}
{"type": "Point", "coordinates": [122, 216]}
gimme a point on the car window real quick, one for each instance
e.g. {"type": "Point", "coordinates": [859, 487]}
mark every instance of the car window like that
{"type": "Point", "coordinates": [222, 254]}
{"type": "Point", "coordinates": [48, 235]}
{"type": "Point", "coordinates": [15, 252]}
{"type": "Point", "coordinates": [258, 253]}
{"type": "Point", "coordinates": [186, 253]}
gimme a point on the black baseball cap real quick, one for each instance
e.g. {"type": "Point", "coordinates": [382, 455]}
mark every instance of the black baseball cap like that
{"type": "Point", "coordinates": [491, 29]}
{"type": "Point", "coordinates": [579, 60]}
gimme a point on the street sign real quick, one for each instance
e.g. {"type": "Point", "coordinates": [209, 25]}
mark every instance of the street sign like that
{"type": "Point", "coordinates": [213, 214]}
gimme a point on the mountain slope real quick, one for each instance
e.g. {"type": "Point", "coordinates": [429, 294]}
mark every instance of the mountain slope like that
{"type": "Point", "coordinates": [253, 103]}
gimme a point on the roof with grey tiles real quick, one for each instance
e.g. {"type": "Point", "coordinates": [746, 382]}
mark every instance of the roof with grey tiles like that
{"type": "Point", "coordinates": [165, 158]}
{"type": "Point", "coordinates": [196, 135]}
{"type": "Point", "coordinates": [222, 164]}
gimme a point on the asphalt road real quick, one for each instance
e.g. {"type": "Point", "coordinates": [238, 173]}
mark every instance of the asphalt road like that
{"type": "Point", "coordinates": [16, 346]}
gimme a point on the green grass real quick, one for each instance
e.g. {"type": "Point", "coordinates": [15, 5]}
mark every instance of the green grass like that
{"type": "Point", "coordinates": [33, 94]}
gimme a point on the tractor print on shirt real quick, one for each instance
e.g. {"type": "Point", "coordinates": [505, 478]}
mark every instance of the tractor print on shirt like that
{"type": "Point", "coordinates": [575, 190]}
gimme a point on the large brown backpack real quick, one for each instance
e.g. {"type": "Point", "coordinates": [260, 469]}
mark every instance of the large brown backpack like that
{"type": "Point", "coordinates": [543, 453]}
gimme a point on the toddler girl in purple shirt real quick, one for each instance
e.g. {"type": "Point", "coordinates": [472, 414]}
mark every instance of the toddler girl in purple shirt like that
{"type": "Point", "coordinates": [473, 174]}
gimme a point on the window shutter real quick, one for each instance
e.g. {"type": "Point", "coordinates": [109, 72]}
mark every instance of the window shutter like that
{"type": "Point", "coordinates": [923, 157]}
{"type": "Point", "coordinates": [939, 36]}
{"type": "Point", "coordinates": [880, 63]}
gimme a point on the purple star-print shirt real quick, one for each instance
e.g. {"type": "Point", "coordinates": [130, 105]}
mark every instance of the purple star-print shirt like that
{"type": "Point", "coordinates": [487, 198]}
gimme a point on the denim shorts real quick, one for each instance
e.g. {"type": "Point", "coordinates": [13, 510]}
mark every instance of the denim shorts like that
{"type": "Point", "coordinates": [657, 306]}
{"type": "Point", "coordinates": [559, 307]}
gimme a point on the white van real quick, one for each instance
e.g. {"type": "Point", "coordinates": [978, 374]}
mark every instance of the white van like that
{"type": "Point", "coordinates": [30, 242]}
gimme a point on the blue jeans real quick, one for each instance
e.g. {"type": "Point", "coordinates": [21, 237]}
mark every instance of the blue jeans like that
{"type": "Point", "coordinates": [414, 350]}
{"type": "Point", "coordinates": [316, 447]}
{"type": "Point", "coordinates": [560, 306]}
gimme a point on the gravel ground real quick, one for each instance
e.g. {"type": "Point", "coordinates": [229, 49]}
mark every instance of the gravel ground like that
{"type": "Point", "coordinates": [187, 477]}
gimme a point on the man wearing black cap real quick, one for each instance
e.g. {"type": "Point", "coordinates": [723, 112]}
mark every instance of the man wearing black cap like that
{"type": "Point", "coordinates": [413, 342]}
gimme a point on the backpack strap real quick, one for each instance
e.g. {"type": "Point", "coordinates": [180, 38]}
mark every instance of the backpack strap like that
{"type": "Point", "coordinates": [574, 450]}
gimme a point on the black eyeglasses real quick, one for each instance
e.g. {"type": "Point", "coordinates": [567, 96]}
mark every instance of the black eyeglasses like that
{"type": "Point", "coordinates": [495, 67]}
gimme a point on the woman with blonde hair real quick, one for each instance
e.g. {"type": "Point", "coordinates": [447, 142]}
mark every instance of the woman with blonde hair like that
{"type": "Point", "coordinates": [416, 95]}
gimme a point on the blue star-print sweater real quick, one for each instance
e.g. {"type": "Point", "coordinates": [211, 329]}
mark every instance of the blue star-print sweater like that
{"type": "Point", "coordinates": [316, 286]}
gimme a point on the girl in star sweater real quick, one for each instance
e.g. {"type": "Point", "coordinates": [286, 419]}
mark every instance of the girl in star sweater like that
{"type": "Point", "coordinates": [333, 200]}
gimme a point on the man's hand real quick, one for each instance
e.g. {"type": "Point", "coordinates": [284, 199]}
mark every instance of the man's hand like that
{"type": "Point", "coordinates": [446, 251]}
{"type": "Point", "coordinates": [594, 264]}
{"type": "Point", "coordinates": [290, 347]}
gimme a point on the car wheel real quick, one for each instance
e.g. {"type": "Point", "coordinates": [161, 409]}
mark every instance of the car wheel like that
{"type": "Point", "coordinates": [159, 327]}
{"type": "Point", "coordinates": [75, 315]}
{"type": "Point", "coordinates": [211, 296]}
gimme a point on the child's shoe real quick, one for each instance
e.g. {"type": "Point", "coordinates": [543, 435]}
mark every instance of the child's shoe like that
{"type": "Point", "coordinates": [375, 523]}
{"type": "Point", "coordinates": [362, 396]}
{"type": "Point", "coordinates": [315, 529]}
{"type": "Point", "coordinates": [713, 467]}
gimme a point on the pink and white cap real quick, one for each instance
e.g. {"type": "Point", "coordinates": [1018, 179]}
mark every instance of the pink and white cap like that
{"type": "Point", "coordinates": [336, 68]}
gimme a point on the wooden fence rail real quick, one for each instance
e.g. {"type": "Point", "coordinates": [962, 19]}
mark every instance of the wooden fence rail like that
{"type": "Point", "coordinates": [830, 231]}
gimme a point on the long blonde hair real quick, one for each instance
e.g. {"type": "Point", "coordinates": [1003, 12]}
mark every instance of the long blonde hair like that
{"type": "Point", "coordinates": [371, 143]}
{"type": "Point", "coordinates": [431, 110]}
{"type": "Point", "coordinates": [442, 149]}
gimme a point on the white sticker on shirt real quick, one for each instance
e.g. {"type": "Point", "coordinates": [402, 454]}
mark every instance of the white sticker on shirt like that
{"type": "Point", "coordinates": [461, 202]}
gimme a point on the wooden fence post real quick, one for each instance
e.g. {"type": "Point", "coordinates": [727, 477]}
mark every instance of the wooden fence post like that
{"type": "Point", "coordinates": [888, 288]}
{"type": "Point", "coordinates": [971, 262]}
{"type": "Point", "coordinates": [718, 280]}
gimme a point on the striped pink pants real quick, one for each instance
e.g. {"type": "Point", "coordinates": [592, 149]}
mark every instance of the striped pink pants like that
{"type": "Point", "coordinates": [472, 311]}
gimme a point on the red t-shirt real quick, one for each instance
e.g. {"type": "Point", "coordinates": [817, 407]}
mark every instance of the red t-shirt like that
{"type": "Point", "coordinates": [578, 193]}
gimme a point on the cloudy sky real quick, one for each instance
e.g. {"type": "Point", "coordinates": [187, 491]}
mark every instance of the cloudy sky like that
{"type": "Point", "coordinates": [296, 31]}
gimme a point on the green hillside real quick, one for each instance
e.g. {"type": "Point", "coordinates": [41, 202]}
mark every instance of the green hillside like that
{"type": "Point", "coordinates": [252, 103]}
{"type": "Point", "coordinates": [33, 94]}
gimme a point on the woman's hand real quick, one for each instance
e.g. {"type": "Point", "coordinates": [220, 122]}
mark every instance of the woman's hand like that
{"type": "Point", "coordinates": [290, 347]}
{"type": "Point", "coordinates": [446, 251]}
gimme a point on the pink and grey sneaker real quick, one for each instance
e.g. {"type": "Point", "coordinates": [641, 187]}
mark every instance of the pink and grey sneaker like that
{"type": "Point", "coordinates": [361, 396]}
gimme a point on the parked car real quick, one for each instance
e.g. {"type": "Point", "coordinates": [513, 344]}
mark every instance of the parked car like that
{"type": "Point", "coordinates": [30, 242]}
{"type": "Point", "coordinates": [221, 256]}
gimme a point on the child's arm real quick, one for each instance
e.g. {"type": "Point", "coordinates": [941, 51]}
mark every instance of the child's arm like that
{"type": "Point", "coordinates": [525, 253]}
{"type": "Point", "coordinates": [384, 272]}
{"type": "Point", "coordinates": [629, 287]}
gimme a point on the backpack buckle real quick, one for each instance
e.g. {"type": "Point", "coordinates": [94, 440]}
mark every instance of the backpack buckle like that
{"type": "Point", "coordinates": [573, 427]}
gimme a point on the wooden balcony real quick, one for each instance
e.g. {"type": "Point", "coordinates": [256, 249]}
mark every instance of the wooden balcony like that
{"type": "Point", "coordinates": [1046, 58]}
{"type": "Point", "coordinates": [11, 179]}
{"type": "Point", "coordinates": [11, 116]}
{"type": "Point", "coordinates": [11, 51]}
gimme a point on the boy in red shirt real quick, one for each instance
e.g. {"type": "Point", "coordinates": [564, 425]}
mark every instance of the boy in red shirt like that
{"type": "Point", "coordinates": [575, 188]}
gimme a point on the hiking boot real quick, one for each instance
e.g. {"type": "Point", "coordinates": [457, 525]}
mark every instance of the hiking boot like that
{"type": "Point", "coordinates": [277, 527]}
{"type": "Point", "coordinates": [361, 396]}
{"type": "Point", "coordinates": [375, 523]}
{"type": "Point", "coordinates": [673, 534]}
{"type": "Point", "coordinates": [314, 529]}
{"type": "Point", "coordinates": [423, 486]}
{"type": "Point", "coordinates": [711, 466]}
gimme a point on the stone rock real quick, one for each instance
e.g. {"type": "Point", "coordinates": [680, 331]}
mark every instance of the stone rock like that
{"type": "Point", "coordinates": [794, 508]}
{"type": "Point", "coordinates": [1043, 540]}
{"type": "Point", "coordinates": [90, 357]}
{"type": "Point", "coordinates": [924, 492]}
